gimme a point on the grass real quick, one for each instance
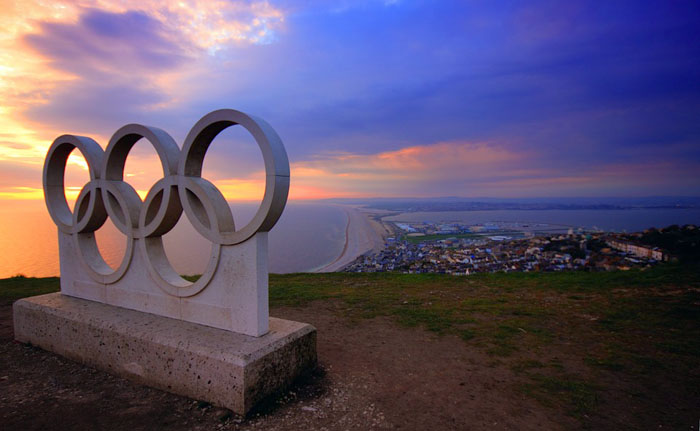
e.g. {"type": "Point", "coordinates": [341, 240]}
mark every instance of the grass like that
{"type": "Point", "coordinates": [641, 326]}
{"type": "Point", "coordinates": [19, 286]}
{"type": "Point", "coordinates": [504, 308]}
{"type": "Point", "coordinates": [441, 236]}
{"type": "Point", "coordinates": [438, 237]}
{"type": "Point", "coordinates": [630, 326]}
{"type": "Point", "coordinates": [578, 397]}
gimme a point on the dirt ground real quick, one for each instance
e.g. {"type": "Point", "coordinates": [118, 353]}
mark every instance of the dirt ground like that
{"type": "Point", "coordinates": [372, 374]}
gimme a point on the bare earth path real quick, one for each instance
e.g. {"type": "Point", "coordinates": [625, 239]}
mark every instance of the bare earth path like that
{"type": "Point", "coordinates": [373, 374]}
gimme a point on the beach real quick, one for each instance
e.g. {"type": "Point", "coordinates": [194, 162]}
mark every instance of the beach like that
{"type": "Point", "coordinates": [363, 234]}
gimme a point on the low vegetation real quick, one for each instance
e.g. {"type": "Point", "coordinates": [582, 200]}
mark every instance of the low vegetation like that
{"type": "Point", "coordinates": [20, 286]}
{"type": "Point", "coordinates": [567, 336]}
{"type": "Point", "coordinates": [683, 242]}
{"type": "Point", "coordinates": [442, 236]}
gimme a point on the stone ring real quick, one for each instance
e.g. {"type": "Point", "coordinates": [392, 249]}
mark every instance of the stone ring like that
{"type": "Point", "coordinates": [182, 188]}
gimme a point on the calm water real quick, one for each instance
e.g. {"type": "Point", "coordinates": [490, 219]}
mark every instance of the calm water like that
{"type": "Point", "coordinates": [631, 220]}
{"type": "Point", "coordinates": [306, 237]}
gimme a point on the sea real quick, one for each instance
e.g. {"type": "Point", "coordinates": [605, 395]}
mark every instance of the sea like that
{"type": "Point", "coordinates": [307, 236]}
{"type": "Point", "coordinates": [609, 220]}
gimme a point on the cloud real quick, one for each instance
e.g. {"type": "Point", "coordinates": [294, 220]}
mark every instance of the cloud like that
{"type": "Point", "coordinates": [205, 24]}
{"type": "Point", "coordinates": [370, 97]}
{"type": "Point", "coordinates": [103, 44]}
{"type": "Point", "coordinates": [469, 169]}
{"type": "Point", "coordinates": [482, 169]}
{"type": "Point", "coordinates": [446, 166]}
{"type": "Point", "coordinates": [23, 181]}
{"type": "Point", "coordinates": [117, 63]}
{"type": "Point", "coordinates": [91, 65]}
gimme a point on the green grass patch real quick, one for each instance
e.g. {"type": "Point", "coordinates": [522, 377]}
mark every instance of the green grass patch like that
{"type": "Point", "coordinates": [640, 325]}
{"type": "Point", "coordinates": [577, 396]}
{"type": "Point", "coordinates": [19, 286]}
{"type": "Point", "coordinates": [443, 236]}
{"type": "Point", "coordinates": [439, 237]}
{"type": "Point", "coordinates": [433, 320]}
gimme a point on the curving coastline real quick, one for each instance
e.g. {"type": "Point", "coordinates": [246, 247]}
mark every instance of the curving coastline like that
{"type": "Point", "coordinates": [362, 235]}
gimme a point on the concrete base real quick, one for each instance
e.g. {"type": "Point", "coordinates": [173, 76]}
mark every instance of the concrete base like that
{"type": "Point", "coordinates": [222, 367]}
{"type": "Point", "coordinates": [234, 298]}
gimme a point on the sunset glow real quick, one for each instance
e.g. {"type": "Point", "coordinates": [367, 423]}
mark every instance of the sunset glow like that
{"type": "Point", "coordinates": [371, 98]}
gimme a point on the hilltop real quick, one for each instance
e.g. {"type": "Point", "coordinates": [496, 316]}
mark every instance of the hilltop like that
{"type": "Point", "coordinates": [613, 350]}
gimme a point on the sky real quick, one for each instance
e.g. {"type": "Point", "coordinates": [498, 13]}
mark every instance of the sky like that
{"type": "Point", "coordinates": [392, 98]}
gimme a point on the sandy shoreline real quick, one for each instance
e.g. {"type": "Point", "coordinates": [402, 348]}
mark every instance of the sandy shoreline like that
{"type": "Point", "coordinates": [362, 235]}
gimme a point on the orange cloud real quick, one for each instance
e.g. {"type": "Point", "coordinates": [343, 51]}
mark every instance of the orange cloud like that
{"type": "Point", "coordinates": [22, 193]}
{"type": "Point", "coordinates": [28, 79]}
{"type": "Point", "coordinates": [418, 160]}
{"type": "Point", "coordinates": [398, 172]}
{"type": "Point", "coordinates": [473, 169]}
{"type": "Point", "coordinates": [441, 169]}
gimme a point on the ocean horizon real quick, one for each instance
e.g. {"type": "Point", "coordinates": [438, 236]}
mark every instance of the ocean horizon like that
{"type": "Point", "coordinates": [308, 236]}
{"type": "Point", "coordinates": [608, 220]}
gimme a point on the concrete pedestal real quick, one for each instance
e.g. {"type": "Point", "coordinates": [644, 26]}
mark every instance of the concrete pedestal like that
{"type": "Point", "coordinates": [235, 296]}
{"type": "Point", "coordinates": [222, 367]}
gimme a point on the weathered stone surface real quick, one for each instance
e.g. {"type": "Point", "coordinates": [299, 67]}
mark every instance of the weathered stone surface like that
{"type": "Point", "coordinates": [236, 297]}
{"type": "Point", "coordinates": [231, 292]}
{"type": "Point", "coordinates": [142, 319]}
{"type": "Point", "coordinates": [228, 369]}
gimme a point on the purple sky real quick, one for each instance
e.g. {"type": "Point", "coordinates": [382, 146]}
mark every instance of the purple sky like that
{"type": "Point", "coordinates": [377, 98]}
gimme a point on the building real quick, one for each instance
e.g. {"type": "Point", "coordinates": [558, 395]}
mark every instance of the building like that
{"type": "Point", "coordinates": [638, 250]}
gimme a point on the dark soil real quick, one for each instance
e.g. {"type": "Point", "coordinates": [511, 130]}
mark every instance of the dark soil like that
{"type": "Point", "coordinates": [372, 375]}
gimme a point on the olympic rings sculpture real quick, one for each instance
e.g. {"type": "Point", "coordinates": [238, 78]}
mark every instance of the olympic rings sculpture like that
{"type": "Point", "coordinates": [182, 188]}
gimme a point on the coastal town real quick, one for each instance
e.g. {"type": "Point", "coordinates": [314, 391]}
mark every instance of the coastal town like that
{"type": "Point", "coordinates": [459, 249]}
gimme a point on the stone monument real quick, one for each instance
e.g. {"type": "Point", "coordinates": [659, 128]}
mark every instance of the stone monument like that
{"type": "Point", "coordinates": [211, 339]}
